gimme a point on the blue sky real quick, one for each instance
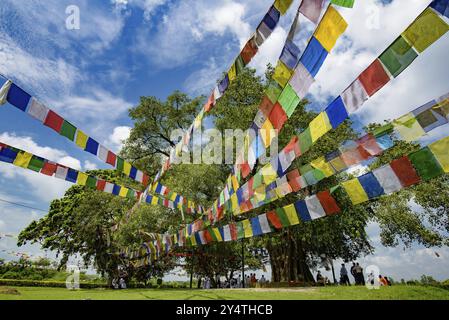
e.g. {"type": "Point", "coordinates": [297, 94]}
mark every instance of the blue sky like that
{"type": "Point", "coordinates": [131, 48]}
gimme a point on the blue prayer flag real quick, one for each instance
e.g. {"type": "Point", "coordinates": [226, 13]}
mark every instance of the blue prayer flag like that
{"type": "Point", "coordinates": [314, 56]}
{"type": "Point", "coordinates": [336, 112]}
{"type": "Point", "coordinates": [133, 173]}
{"type": "Point", "coordinates": [116, 190]}
{"type": "Point", "coordinates": [301, 209]}
{"type": "Point", "coordinates": [7, 155]}
{"type": "Point", "coordinates": [255, 226]}
{"type": "Point", "coordinates": [92, 146]}
{"type": "Point", "coordinates": [72, 175]}
{"type": "Point", "coordinates": [442, 6]}
{"type": "Point", "coordinates": [290, 55]}
{"type": "Point", "coordinates": [18, 97]}
{"type": "Point", "coordinates": [223, 85]}
{"type": "Point", "coordinates": [371, 185]}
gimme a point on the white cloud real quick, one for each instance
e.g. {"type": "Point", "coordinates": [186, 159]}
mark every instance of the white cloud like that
{"type": "Point", "coordinates": [118, 136]}
{"type": "Point", "coordinates": [89, 165]}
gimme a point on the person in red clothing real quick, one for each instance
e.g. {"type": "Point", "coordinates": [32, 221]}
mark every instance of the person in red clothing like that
{"type": "Point", "coordinates": [383, 282]}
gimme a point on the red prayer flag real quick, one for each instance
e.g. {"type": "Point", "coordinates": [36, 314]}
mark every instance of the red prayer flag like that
{"type": "Point", "coordinates": [208, 236]}
{"type": "Point", "coordinates": [101, 184]}
{"type": "Point", "coordinates": [111, 159]}
{"type": "Point", "coordinates": [328, 203]}
{"type": "Point", "coordinates": [374, 78]}
{"type": "Point", "coordinates": [355, 156]}
{"type": "Point", "coordinates": [210, 103]}
{"type": "Point", "coordinates": [266, 106]}
{"type": "Point", "coordinates": [274, 219]}
{"type": "Point", "coordinates": [293, 145]}
{"type": "Point", "coordinates": [370, 145]}
{"type": "Point", "coordinates": [233, 230]}
{"type": "Point", "coordinates": [249, 51]}
{"type": "Point", "coordinates": [278, 116]}
{"type": "Point", "coordinates": [49, 168]}
{"type": "Point", "coordinates": [246, 169]}
{"type": "Point", "coordinates": [54, 121]}
{"type": "Point", "coordinates": [146, 179]}
{"type": "Point", "coordinates": [293, 180]}
{"type": "Point", "coordinates": [405, 171]}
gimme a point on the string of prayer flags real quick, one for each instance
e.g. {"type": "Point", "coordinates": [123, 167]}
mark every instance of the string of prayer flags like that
{"type": "Point", "coordinates": [38, 164]}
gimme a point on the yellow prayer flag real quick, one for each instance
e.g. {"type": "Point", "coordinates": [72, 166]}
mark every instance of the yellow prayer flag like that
{"type": "Point", "coordinates": [193, 240]}
{"type": "Point", "coordinates": [319, 126]}
{"type": "Point", "coordinates": [260, 193]}
{"type": "Point", "coordinates": [282, 5]}
{"type": "Point", "coordinates": [173, 196]}
{"type": "Point", "coordinates": [425, 30]}
{"type": "Point", "coordinates": [23, 159]}
{"type": "Point", "coordinates": [247, 228]}
{"type": "Point", "coordinates": [282, 74]}
{"type": "Point", "coordinates": [338, 164]}
{"type": "Point", "coordinates": [268, 173]}
{"type": "Point", "coordinates": [330, 28]}
{"type": "Point", "coordinates": [127, 168]}
{"type": "Point", "coordinates": [232, 74]}
{"type": "Point", "coordinates": [408, 127]}
{"type": "Point", "coordinates": [217, 233]}
{"type": "Point", "coordinates": [267, 133]}
{"type": "Point", "coordinates": [123, 192]}
{"type": "Point", "coordinates": [323, 166]}
{"type": "Point", "coordinates": [82, 179]}
{"type": "Point", "coordinates": [154, 200]}
{"type": "Point", "coordinates": [291, 214]}
{"type": "Point", "coordinates": [355, 191]}
{"type": "Point", "coordinates": [235, 183]}
{"type": "Point", "coordinates": [81, 139]}
{"type": "Point", "coordinates": [440, 150]}
{"type": "Point", "coordinates": [234, 201]}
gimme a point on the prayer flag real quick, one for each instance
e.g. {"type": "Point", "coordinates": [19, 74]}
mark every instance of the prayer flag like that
{"type": "Point", "coordinates": [283, 218]}
{"type": "Point", "coordinates": [61, 172]}
{"type": "Point", "coordinates": [289, 100]}
{"type": "Point", "coordinates": [336, 112]}
{"type": "Point", "coordinates": [313, 56]}
{"type": "Point", "coordinates": [311, 9]}
{"type": "Point", "coordinates": [354, 96]}
{"type": "Point", "coordinates": [295, 181]}
{"type": "Point", "coordinates": [425, 30]}
{"type": "Point", "coordinates": [68, 130]}
{"type": "Point", "coordinates": [328, 203]}
{"type": "Point", "coordinates": [355, 191]}
{"type": "Point", "coordinates": [371, 186]}
{"type": "Point", "coordinates": [330, 28]}
{"type": "Point", "coordinates": [292, 216]}
{"type": "Point", "coordinates": [247, 228]}
{"type": "Point", "coordinates": [277, 117]}
{"type": "Point", "coordinates": [49, 168]}
{"type": "Point", "coordinates": [319, 126]}
{"type": "Point", "coordinates": [264, 225]}
{"type": "Point", "coordinates": [374, 78]}
{"type": "Point", "coordinates": [18, 97]}
{"type": "Point", "coordinates": [290, 55]}
{"type": "Point", "coordinates": [36, 163]}
{"type": "Point", "coordinates": [54, 121]}
{"type": "Point", "coordinates": [266, 106]}
{"type": "Point", "coordinates": [408, 127]}
{"type": "Point", "coordinates": [23, 159]}
{"type": "Point", "coordinates": [72, 175]}
{"type": "Point", "coordinates": [314, 207]}
{"type": "Point", "coordinates": [92, 146]}
{"type": "Point", "coordinates": [405, 172]}
{"type": "Point", "coordinates": [387, 179]}
{"type": "Point", "coordinates": [425, 164]}
{"type": "Point", "coordinates": [305, 140]}
{"type": "Point", "coordinates": [428, 116]}
{"type": "Point", "coordinates": [370, 145]}
{"type": "Point", "coordinates": [273, 91]}
{"type": "Point", "coordinates": [282, 74]}
{"type": "Point", "coordinates": [81, 139]}
{"type": "Point", "coordinates": [248, 52]}
{"type": "Point", "coordinates": [323, 166]}
{"type": "Point", "coordinates": [283, 5]}
{"type": "Point", "coordinates": [301, 81]}
{"type": "Point", "coordinates": [398, 56]}
{"type": "Point", "coordinates": [37, 110]}
{"type": "Point", "coordinates": [440, 150]}
{"type": "Point", "coordinates": [82, 179]}
{"type": "Point", "coordinates": [301, 209]}
{"type": "Point", "coordinates": [274, 220]}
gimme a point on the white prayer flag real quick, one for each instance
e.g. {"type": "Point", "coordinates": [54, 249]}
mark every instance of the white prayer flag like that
{"type": "Point", "coordinates": [301, 81]}
{"type": "Point", "coordinates": [354, 96]}
{"type": "Point", "coordinates": [37, 110]}
{"type": "Point", "coordinates": [315, 208]}
{"type": "Point", "coordinates": [387, 179]}
{"type": "Point", "coordinates": [264, 225]}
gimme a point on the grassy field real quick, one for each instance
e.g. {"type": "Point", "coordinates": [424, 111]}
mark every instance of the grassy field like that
{"type": "Point", "coordinates": [328, 293]}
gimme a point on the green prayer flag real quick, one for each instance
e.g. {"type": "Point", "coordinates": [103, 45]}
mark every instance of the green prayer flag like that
{"type": "Point", "coordinates": [120, 164]}
{"type": "Point", "coordinates": [289, 100]}
{"type": "Point", "coordinates": [130, 194]}
{"type": "Point", "coordinates": [239, 65]}
{"type": "Point", "coordinates": [388, 128]}
{"type": "Point", "coordinates": [273, 91]}
{"type": "Point", "coordinates": [91, 182]}
{"type": "Point", "coordinates": [344, 3]}
{"type": "Point", "coordinates": [426, 164]}
{"type": "Point", "coordinates": [240, 230]}
{"type": "Point", "coordinates": [68, 130]}
{"type": "Point", "coordinates": [283, 217]}
{"type": "Point", "coordinates": [36, 164]}
{"type": "Point", "coordinates": [305, 140]}
{"type": "Point", "coordinates": [318, 174]}
{"type": "Point", "coordinates": [398, 56]}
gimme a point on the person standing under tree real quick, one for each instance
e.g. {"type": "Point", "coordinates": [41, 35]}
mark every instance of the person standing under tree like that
{"type": "Point", "coordinates": [359, 273]}
{"type": "Point", "coordinates": [354, 274]}
{"type": "Point", "coordinates": [344, 279]}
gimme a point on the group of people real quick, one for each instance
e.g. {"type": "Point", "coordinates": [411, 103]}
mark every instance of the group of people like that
{"type": "Point", "coordinates": [119, 283]}
{"type": "Point", "coordinates": [356, 271]}
{"type": "Point", "coordinates": [250, 282]}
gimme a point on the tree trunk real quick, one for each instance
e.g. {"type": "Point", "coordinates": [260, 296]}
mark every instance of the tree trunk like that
{"type": "Point", "coordinates": [288, 261]}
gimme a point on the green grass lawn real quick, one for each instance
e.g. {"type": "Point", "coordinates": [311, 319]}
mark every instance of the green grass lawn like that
{"type": "Point", "coordinates": [351, 293]}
